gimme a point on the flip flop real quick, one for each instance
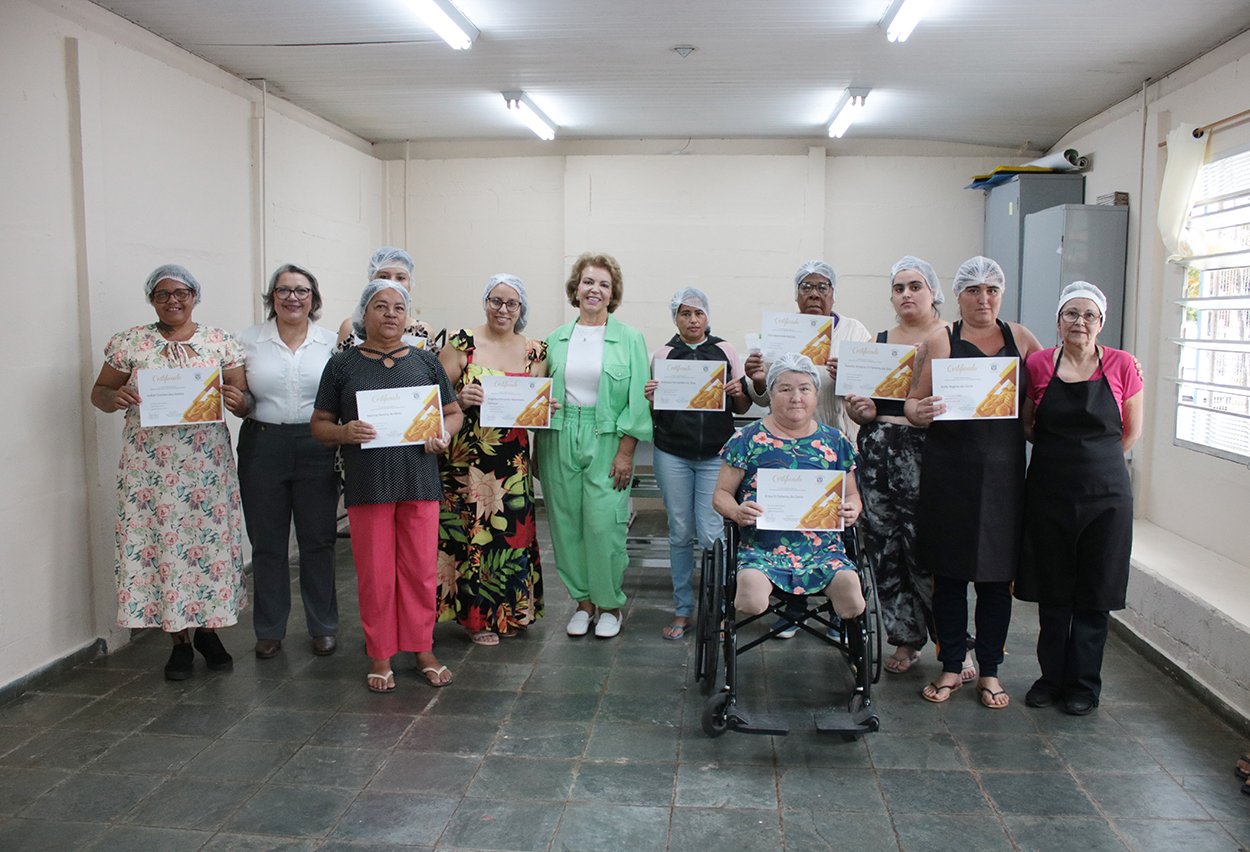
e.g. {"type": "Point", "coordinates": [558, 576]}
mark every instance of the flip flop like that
{"type": "Point", "coordinates": [937, 690]}
{"type": "Point", "coordinates": [899, 665]}
{"type": "Point", "coordinates": [431, 670]}
{"type": "Point", "coordinates": [387, 684]}
{"type": "Point", "coordinates": [675, 631]}
{"type": "Point", "coordinates": [1239, 771]}
{"type": "Point", "coordinates": [967, 672]}
{"type": "Point", "coordinates": [484, 637]}
{"type": "Point", "coordinates": [988, 695]}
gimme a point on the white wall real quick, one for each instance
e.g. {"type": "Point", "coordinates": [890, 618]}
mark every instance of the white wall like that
{"type": "Point", "coordinates": [123, 152]}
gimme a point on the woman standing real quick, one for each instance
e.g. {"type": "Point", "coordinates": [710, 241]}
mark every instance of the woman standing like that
{"type": "Point", "coordinates": [687, 448]}
{"type": "Point", "coordinates": [179, 536]}
{"type": "Point", "coordinates": [971, 489]}
{"type": "Point", "coordinates": [391, 493]}
{"type": "Point", "coordinates": [393, 264]}
{"type": "Point", "coordinates": [889, 474]}
{"type": "Point", "coordinates": [586, 459]}
{"type": "Point", "coordinates": [283, 471]}
{"type": "Point", "coordinates": [1083, 412]}
{"type": "Point", "coordinates": [490, 577]}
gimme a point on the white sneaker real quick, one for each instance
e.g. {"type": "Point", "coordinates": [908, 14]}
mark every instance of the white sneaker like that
{"type": "Point", "coordinates": [579, 623]}
{"type": "Point", "coordinates": [608, 625]}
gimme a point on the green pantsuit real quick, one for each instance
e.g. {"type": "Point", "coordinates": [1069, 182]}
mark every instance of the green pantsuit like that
{"type": "Point", "coordinates": [588, 517]}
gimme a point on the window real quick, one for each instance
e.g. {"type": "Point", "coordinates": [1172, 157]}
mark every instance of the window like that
{"type": "Point", "coordinates": [1213, 411]}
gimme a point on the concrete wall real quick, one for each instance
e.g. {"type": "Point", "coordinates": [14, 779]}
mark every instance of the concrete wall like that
{"type": "Point", "coordinates": [123, 152]}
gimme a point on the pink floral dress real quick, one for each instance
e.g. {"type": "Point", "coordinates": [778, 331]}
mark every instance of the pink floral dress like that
{"type": "Point", "coordinates": [179, 521]}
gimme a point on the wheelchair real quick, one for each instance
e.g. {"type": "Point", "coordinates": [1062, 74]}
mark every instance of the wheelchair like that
{"type": "Point", "coordinates": [717, 626]}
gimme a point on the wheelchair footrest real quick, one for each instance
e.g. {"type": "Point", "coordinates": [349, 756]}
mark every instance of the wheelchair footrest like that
{"type": "Point", "coordinates": [757, 723]}
{"type": "Point", "coordinates": [832, 720]}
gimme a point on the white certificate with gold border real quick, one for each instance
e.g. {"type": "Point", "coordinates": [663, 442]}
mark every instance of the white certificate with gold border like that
{"type": "Point", "coordinates": [690, 386]}
{"type": "Point", "coordinates": [174, 397]}
{"type": "Point", "coordinates": [411, 415]}
{"type": "Point", "coordinates": [977, 388]}
{"type": "Point", "coordinates": [802, 333]}
{"type": "Point", "coordinates": [878, 370]}
{"type": "Point", "coordinates": [516, 402]}
{"type": "Point", "coordinates": [796, 500]}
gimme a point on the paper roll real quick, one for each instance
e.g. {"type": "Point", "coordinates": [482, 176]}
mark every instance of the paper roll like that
{"type": "Point", "coordinates": [1063, 161]}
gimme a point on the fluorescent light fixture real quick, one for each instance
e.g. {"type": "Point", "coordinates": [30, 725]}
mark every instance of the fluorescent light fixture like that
{"type": "Point", "coordinates": [902, 16]}
{"type": "Point", "coordinates": [449, 22]}
{"type": "Point", "coordinates": [534, 119]}
{"type": "Point", "coordinates": [847, 110]}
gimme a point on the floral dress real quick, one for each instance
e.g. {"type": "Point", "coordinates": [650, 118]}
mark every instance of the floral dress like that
{"type": "Point", "coordinates": [802, 563]}
{"type": "Point", "coordinates": [489, 574]}
{"type": "Point", "coordinates": [179, 520]}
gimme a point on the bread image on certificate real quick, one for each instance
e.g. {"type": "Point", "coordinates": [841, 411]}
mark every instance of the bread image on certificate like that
{"type": "Point", "coordinates": [897, 384]}
{"type": "Point", "coordinates": [537, 412]}
{"type": "Point", "coordinates": [823, 515]}
{"type": "Point", "coordinates": [818, 347]}
{"type": "Point", "coordinates": [711, 397]}
{"type": "Point", "coordinates": [206, 407]}
{"type": "Point", "coordinates": [428, 424]}
{"type": "Point", "coordinates": [1001, 400]}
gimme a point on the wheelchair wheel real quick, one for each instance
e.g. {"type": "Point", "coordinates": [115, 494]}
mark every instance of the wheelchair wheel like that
{"type": "Point", "coordinates": [875, 638]}
{"type": "Point", "coordinates": [707, 638]}
{"type": "Point", "coordinates": [715, 721]}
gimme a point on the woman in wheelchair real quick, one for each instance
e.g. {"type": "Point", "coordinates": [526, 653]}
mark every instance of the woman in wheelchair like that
{"type": "Point", "coordinates": [789, 438]}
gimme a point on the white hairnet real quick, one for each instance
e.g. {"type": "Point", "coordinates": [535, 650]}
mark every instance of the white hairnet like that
{"type": "Point", "coordinates": [978, 270]}
{"type": "Point", "coordinates": [512, 281]}
{"type": "Point", "coordinates": [388, 257]}
{"type": "Point", "coordinates": [172, 271]}
{"type": "Point", "coordinates": [820, 268]}
{"type": "Point", "coordinates": [371, 290]}
{"type": "Point", "coordinates": [692, 296]}
{"type": "Point", "coordinates": [918, 265]}
{"type": "Point", "coordinates": [792, 362]}
{"type": "Point", "coordinates": [1083, 290]}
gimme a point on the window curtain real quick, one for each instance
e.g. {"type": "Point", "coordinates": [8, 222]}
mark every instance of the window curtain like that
{"type": "Point", "coordinates": [1185, 158]}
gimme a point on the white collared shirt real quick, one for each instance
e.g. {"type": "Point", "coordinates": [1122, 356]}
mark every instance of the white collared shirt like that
{"type": "Point", "coordinates": [284, 382]}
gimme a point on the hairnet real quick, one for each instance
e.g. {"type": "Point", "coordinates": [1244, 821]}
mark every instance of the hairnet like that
{"type": "Point", "coordinates": [172, 271]}
{"type": "Point", "coordinates": [820, 268]}
{"type": "Point", "coordinates": [978, 270]}
{"type": "Point", "coordinates": [918, 265]}
{"type": "Point", "coordinates": [792, 362]}
{"type": "Point", "coordinates": [692, 296]}
{"type": "Point", "coordinates": [512, 281]}
{"type": "Point", "coordinates": [387, 257]}
{"type": "Point", "coordinates": [1083, 290]}
{"type": "Point", "coordinates": [371, 290]}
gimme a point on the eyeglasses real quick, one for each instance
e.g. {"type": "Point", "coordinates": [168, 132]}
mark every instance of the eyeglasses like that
{"type": "Point", "coordinates": [511, 306]}
{"type": "Point", "coordinates": [821, 288]}
{"type": "Point", "coordinates": [1090, 317]}
{"type": "Point", "coordinates": [300, 293]}
{"type": "Point", "coordinates": [182, 294]}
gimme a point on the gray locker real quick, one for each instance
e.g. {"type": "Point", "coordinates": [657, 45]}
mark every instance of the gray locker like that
{"type": "Point", "coordinates": [1073, 242]}
{"type": "Point", "coordinates": [1006, 206]}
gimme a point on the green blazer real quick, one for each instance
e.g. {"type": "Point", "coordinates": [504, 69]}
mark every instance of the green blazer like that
{"type": "Point", "coordinates": [622, 408]}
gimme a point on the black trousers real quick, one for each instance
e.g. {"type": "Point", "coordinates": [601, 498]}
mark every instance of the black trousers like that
{"type": "Point", "coordinates": [950, 617]}
{"type": "Point", "coordinates": [284, 472]}
{"type": "Point", "coordinates": [1070, 645]}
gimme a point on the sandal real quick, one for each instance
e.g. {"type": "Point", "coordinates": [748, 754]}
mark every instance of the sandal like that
{"type": "Point", "coordinates": [386, 679]}
{"type": "Point", "coordinates": [937, 697]}
{"type": "Point", "coordinates": [1242, 768]}
{"type": "Point", "coordinates": [484, 637]}
{"type": "Point", "coordinates": [675, 631]}
{"type": "Point", "coordinates": [899, 665]}
{"type": "Point", "coordinates": [510, 634]}
{"type": "Point", "coordinates": [968, 671]}
{"type": "Point", "coordinates": [432, 675]}
{"type": "Point", "coordinates": [989, 696]}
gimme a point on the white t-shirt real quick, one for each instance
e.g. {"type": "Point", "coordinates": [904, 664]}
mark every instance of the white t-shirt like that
{"type": "Point", "coordinates": [584, 365]}
{"type": "Point", "coordinates": [283, 382]}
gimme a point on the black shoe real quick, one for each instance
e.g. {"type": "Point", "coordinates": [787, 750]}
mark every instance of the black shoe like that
{"type": "Point", "coordinates": [181, 662]}
{"type": "Point", "coordinates": [324, 646]}
{"type": "Point", "coordinates": [1039, 696]}
{"type": "Point", "coordinates": [215, 654]}
{"type": "Point", "coordinates": [1079, 705]}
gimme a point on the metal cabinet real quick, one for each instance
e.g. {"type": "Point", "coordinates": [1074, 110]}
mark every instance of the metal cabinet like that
{"type": "Point", "coordinates": [1073, 242]}
{"type": "Point", "coordinates": [1006, 207]}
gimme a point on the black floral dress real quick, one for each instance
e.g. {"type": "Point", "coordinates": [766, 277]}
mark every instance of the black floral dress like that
{"type": "Point", "coordinates": [489, 574]}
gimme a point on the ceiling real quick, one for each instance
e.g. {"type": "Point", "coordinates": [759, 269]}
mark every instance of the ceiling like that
{"type": "Point", "coordinates": [1006, 73]}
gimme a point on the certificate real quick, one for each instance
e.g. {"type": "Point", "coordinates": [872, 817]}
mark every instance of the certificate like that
{"type": "Point", "coordinates": [512, 402]}
{"type": "Point", "coordinates": [802, 333]}
{"type": "Point", "coordinates": [690, 386]}
{"type": "Point", "coordinates": [977, 388]}
{"type": "Point", "coordinates": [181, 395]}
{"type": "Point", "coordinates": [800, 499]}
{"type": "Point", "coordinates": [410, 415]}
{"type": "Point", "coordinates": [879, 370]}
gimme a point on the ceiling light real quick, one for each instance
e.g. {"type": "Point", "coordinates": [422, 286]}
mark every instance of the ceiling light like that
{"type": "Point", "coordinates": [847, 110]}
{"type": "Point", "coordinates": [902, 16]}
{"type": "Point", "coordinates": [533, 117]}
{"type": "Point", "coordinates": [446, 20]}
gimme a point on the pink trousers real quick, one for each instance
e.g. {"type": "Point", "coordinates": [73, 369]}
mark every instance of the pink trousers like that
{"type": "Point", "coordinates": [395, 547]}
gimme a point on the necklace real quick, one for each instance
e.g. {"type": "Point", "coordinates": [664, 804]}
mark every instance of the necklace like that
{"type": "Point", "coordinates": [587, 332]}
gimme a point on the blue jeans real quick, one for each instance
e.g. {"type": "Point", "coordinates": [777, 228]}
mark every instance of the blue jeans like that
{"type": "Point", "coordinates": [687, 488]}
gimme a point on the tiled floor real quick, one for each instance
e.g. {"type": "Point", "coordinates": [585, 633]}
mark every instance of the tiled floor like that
{"type": "Point", "coordinates": [546, 743]}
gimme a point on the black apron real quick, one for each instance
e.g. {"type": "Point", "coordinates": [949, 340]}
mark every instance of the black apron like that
{"type": "Point", "coordinates": [1079, 503]}
{"type": "Point", "coordinates": [969, 523]}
